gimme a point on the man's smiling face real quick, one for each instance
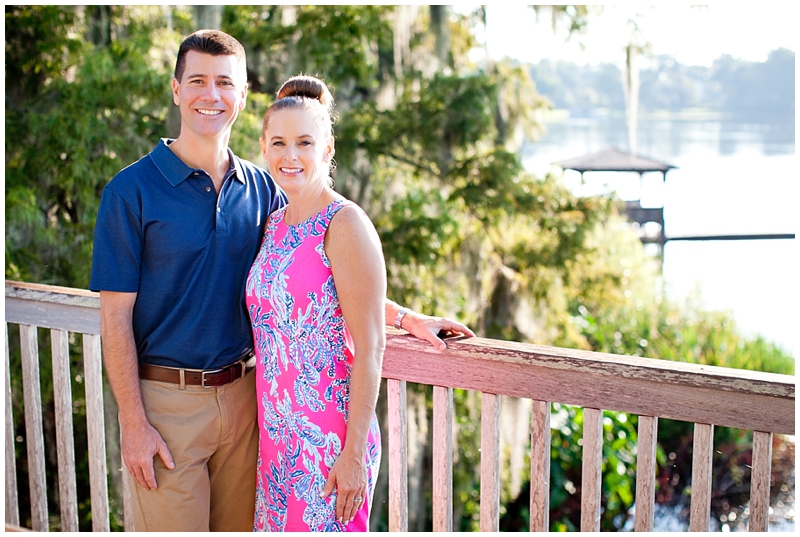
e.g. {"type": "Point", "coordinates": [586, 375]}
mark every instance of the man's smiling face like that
{"type": "Point", "coordinates": [210, 94]}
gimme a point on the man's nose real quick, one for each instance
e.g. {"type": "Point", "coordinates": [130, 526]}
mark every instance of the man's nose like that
{"type": "Point", "coordinates": [211, 92]}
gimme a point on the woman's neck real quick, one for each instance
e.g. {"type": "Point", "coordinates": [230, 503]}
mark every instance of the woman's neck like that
{"type": "Point", "coordinates": [304, 205]}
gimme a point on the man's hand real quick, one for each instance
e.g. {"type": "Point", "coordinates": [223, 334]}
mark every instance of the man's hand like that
{"type": "Point", "coordinates": [429, 328]}
{"type": "Point", "coordinates": [139, 446]}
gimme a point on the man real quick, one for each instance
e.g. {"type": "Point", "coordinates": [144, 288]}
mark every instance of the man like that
{"type": "Point", "coordinates": [175, 236]}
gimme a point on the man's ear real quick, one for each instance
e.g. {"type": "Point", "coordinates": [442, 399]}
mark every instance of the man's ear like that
{"type": "Point", "coordinates": [244, 97]}
{"type": "Point", "coordinates": [176, 92]}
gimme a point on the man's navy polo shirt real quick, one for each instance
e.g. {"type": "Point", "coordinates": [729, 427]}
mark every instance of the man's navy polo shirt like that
{"type": "Point", "coordinates": [163, 232]}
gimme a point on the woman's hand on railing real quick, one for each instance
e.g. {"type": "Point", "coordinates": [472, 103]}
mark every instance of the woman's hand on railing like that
{"type": "Point", "coordinates": [434, 329]}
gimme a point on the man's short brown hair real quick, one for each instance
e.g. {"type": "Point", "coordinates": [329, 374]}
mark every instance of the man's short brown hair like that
{"type": "Point", "coordinates": [211, 42]}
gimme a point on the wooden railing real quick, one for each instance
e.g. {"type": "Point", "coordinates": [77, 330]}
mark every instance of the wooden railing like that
{"type": "Point", "coordinates": [652, 389]}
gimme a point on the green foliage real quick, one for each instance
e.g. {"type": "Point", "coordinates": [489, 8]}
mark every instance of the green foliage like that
{"type": "Point", "coordinates": [75, 121]}
{"type": "Point", "coordinates": [619, 307]}
{"type": "Point", "coordinates": [618, 467]}
{"type": "Point", "coordinates": [360, 33]}
{"type": "Point", "coordinates": [244, 138]}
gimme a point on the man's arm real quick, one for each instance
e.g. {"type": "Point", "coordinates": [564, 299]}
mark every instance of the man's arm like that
{"type": "Point", "coordinates": [140, 441]}
{"type": "Point", "coordinates": [424, 326]}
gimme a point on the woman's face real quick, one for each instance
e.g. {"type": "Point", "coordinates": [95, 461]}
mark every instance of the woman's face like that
{"type": "Point", "coordinates": [297, 149]}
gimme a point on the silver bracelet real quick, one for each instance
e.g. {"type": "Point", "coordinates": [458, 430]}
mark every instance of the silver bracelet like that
{"type": "Point", "coordinates": [398, 321]}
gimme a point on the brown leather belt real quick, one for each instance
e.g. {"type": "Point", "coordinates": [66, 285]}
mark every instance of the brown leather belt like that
{"type": "Point", "coordinates": [211, 378]}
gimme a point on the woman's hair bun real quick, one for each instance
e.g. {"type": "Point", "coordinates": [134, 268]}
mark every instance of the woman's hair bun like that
{"type": "Point", "coordinates": [307, 86]}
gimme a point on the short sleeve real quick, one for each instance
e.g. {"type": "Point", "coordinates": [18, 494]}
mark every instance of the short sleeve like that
{"type": "Point", "coordinates": [117, 256]}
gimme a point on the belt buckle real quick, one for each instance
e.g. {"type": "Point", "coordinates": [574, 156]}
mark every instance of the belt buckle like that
{"type": "Point", "coordinates": [203, 376]}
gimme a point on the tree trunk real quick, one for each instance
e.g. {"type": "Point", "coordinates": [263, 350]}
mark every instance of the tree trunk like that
{"type": "Point", "coordinates": [631, 83]}
{"type": "Point", "coordinates": [207, 17]}
{"type": "Point", "coordinates": [99, 25]}
{"type": "Point", "coordinates": [440, 26]}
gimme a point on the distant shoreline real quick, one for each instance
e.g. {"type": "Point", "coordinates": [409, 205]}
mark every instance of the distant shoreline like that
{"type": "Point", "coordinates": [689, 114]}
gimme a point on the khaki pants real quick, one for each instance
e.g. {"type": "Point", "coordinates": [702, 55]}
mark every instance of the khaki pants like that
{"type": "Point", "coordinates": [213, 437]}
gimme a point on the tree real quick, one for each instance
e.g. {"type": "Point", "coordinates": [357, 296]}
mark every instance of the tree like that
{"type": "Point", "coordinates": [75, 123]}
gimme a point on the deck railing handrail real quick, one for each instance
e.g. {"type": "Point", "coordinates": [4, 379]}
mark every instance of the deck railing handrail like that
{"type": "Point", "coordinates": [705, 395]}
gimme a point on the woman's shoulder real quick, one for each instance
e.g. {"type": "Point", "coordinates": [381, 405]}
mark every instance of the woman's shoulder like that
{"type": "Point", "coordinates": [352, 237]}
{"type": "Point", "coordinates": [348, 216]}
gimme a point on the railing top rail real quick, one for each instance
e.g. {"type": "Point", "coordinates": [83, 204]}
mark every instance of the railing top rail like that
{"type": "Point", "coordinates": [65, 308]}
{"type": "Point", "coordinates": [52, 293]}
{"type": "Point", "coordinates": [645, 386]}
{"type": "Point", "coordinates": [616, 365]}
{"type": "Point", "coordinates": [723, 396]}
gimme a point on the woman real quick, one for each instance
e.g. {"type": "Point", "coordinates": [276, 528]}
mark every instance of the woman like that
{"type": "Point", "coordinates": [320, 264]}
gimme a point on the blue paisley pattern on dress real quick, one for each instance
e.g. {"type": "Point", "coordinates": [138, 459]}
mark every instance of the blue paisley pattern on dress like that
{"type": "Point", "coordinates": [304, 357]}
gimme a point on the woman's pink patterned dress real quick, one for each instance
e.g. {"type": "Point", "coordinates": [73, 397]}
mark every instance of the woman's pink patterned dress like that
{"type": "Point", "coordinates": [304, 356]}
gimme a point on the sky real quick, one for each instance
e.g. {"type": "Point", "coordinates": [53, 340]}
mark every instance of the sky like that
{"type": "Point", "coordinates": [694, 35]}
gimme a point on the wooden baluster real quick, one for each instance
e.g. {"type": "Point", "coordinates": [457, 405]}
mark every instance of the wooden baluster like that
{"type": "Point", "coordinates": [12, 501]}
{"type": "Point", "coordinates": [646, 473]}
{"type": "Point", "coordinates": [759, 481]}
{"type": "Point", "coordinates": [62, 392]}
{"type": "Point", "coordinates": [540, 467]}
{"type": "Point", "coordinates": [702, 454]}
{"type": "Point", "coordinates": [442, 459]}
{"type": "Point", "coordinates": [95, 421]}
{"type": "Point", "coordinates": [398, 455]}
{"type": "Point", "coordinates": [490, 462]}
{"type": "Point", "coordinates": [29, 345]}
{"type": "Point", "coordinates": [591, 482]}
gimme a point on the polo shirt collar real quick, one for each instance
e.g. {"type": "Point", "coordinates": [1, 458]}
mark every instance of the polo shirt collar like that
{"type": "Point", "coordinates": [176, 171]}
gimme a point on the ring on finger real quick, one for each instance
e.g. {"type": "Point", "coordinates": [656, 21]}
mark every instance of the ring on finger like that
{"type": "Point", "coordinates": [357, 500]}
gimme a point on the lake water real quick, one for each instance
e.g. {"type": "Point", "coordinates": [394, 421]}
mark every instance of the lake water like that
{"type": "Point", "coordinates": [733, 178]}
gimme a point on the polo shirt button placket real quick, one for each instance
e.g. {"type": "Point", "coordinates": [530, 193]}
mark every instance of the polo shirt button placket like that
{"type": "Point", "coordinates": [220, 224]}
